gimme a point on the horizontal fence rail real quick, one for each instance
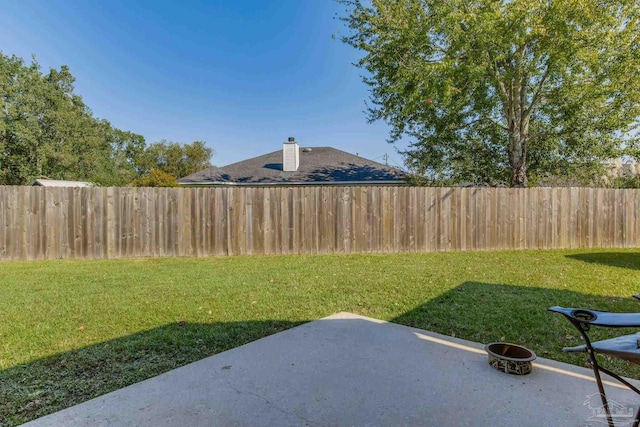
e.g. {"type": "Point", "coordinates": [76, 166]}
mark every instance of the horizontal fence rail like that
{"type": "Point", "coordinates": [51, 223]}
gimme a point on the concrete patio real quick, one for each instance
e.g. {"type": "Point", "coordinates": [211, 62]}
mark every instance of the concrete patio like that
{"type": "Point", "coordinates": [349, 370]}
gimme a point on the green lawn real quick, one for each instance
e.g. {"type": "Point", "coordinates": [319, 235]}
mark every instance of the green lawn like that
{"type": "Point", "coordinates": [73, 330]}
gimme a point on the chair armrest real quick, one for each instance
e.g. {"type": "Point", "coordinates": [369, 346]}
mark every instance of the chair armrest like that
{"type": "Point", "coordinates": [599, 318]}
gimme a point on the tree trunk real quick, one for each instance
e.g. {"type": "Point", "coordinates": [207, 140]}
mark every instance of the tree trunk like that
{"type": "Point", "coordinates": [519, 175]}
{"type": "Point", "coordinates": [518, 158]}
{"type": "Point", "coordinates": [518, 120]}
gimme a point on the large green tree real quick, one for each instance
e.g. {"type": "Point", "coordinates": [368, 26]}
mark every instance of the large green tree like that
{"type": "Point", "coordinates": [47, 130]}
{"type": "Point", "coordinates": [119, 167]}
{"type": "Point", "coordinates": [174, 158]}
{"type": "Point", "coordinates": [502, 90]}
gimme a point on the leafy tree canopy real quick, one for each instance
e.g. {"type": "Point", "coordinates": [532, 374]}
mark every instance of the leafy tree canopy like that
{"type": "Point", "coordinates": [47, 130]}
{"type": "Point", "coordinates": [155, 178]}
{"type": "Point", "coordinates": [502, 91]}
{"type": "Point", "coordinates": [176, 159]}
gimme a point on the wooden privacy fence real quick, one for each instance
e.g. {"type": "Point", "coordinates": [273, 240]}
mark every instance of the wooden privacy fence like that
{"type": "Point", "coordinates": [49, 223]}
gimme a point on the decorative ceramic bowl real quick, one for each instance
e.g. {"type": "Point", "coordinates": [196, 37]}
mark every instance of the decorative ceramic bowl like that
{"type": "Point", "coordinates": [510, 358]}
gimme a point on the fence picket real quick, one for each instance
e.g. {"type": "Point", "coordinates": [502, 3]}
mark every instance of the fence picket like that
{"type": "Point", "coordinates": [51, 223]}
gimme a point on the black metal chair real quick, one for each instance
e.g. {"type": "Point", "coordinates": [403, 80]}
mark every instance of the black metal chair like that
{"type": "Point", "coordinates": [625, 347]}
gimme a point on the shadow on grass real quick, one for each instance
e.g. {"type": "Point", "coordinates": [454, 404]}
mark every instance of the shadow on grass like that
{"type": "Point", "coordinates": [629, 260]}
{"type": "Point", "coordinates": [477, 311]}
{"type": "Point", "coordinates": [487, 312]}
{"type": "Point", "coordinates": [47, 385]}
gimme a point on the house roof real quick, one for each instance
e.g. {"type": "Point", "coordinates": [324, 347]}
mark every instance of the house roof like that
{"type": "Point", "coordinates": [59, 183]}
{"type": "Point", "coordinates": [318, 165]}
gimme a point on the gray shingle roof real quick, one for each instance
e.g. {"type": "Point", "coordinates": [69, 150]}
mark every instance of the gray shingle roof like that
{"type": "Point", "coordinates": [318, 165]}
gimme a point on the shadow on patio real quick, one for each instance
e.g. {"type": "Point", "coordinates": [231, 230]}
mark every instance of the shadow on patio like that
{"type": "Point", "coordinates": [488, 312]}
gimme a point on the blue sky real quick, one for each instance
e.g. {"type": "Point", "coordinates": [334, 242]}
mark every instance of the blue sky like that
{"type": "Point", "coordinates": [241, 75]}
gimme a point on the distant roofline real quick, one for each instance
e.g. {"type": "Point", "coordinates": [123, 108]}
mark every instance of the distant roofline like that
{"type": "Point", "coordinates": [325, 166]}
{"type": "Point", "coordinates": [61, 183]}
{"type": "Point", "coordinates": [302, 150]}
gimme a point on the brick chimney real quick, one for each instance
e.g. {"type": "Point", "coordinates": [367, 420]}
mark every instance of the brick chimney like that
{"type": "Point", "coordinates": [290, 155]}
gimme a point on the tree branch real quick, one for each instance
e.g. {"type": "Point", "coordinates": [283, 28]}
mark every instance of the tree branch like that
{"type": "Point", "coordinates": [536, 95]}
{"type": "Point", "coordinates": [488, 119]}
{"type": "Point", "coordinates": [523, 102]}
{"type": "Point", "coordinates": [502, 90]}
